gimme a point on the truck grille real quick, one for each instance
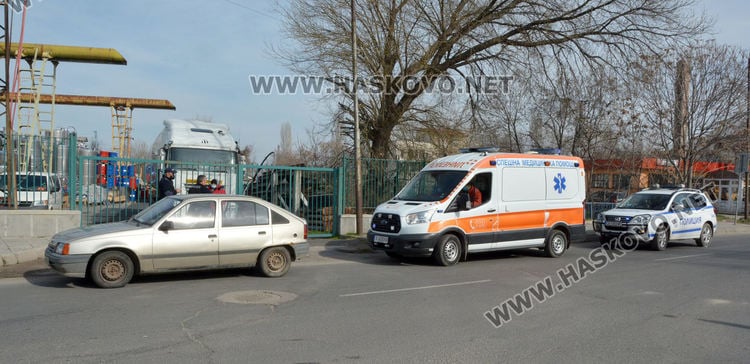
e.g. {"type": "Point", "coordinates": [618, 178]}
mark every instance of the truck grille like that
{"type": "Point", "coordinates": [387, 223]}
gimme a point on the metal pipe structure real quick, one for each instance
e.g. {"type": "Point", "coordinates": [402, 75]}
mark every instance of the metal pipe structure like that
{"type": "Point", "coordinates": [63, 53]}
{"type": "Point", "coordinates": [103, 101]}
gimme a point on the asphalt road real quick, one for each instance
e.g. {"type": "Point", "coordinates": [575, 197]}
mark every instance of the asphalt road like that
{"type": "Point", "coordinates": [686, 304]}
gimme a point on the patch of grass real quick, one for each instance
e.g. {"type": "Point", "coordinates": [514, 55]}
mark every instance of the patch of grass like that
{"type": "Point", "coordinates": [730, 218]}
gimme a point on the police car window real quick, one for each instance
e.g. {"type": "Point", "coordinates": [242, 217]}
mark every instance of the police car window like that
{"type": "Point", "coordinates": [698, 201]}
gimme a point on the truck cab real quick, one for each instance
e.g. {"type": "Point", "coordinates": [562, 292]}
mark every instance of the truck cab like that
{"type": "Point", "coordinates": [34, 190]}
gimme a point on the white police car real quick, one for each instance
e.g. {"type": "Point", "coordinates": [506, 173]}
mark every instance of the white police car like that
{"type": "Point", "coordinates": [659, 215]}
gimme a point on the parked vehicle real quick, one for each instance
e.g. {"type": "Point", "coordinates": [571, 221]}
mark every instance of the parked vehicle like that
{"type": "Point", "coordinates": [34, 190]}
{"type": "Point", "coordinates": [523, 201]}
{"type": "Point", "coordinates": [657, 215]}
{"type": "Point", "coordinates": [183, 232]}
{"type": "Point", "coordinates": [193, 148]}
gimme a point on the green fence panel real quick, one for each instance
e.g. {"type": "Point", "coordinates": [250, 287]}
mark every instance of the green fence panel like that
{"type": "Point", "coordinates": [381, 180]}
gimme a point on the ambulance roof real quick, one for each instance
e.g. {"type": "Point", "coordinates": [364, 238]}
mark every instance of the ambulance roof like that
{"type": "Point", "coordinates": [474, 160]}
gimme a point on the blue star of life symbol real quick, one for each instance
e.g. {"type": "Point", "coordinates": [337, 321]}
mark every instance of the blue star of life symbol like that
{"type": "Point", "coordinates": [560, 183]}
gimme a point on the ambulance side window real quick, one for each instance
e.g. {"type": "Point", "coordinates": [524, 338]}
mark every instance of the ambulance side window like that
{"type": "Point", "coordinates": [483, 182]}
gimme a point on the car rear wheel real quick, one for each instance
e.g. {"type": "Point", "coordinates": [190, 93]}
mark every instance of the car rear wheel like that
{"type": "Point", "coordinates": [707, 232]}
{"type": "Point", "coordinates": [274, 261]}
{"type": "Point", "coordinates": [556, 243]}
{"type": "Point", "coordinates": [111, 269]}
{"type": "Point", "coordinates": [448, 250]}
{"type": "Point", "coordinates": [659, 242]}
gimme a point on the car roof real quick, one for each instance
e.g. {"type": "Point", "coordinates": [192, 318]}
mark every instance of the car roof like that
{"type": "Point", "coordinates": [196, 196]}
{"type": "Point", "coordinates": [667, 191]}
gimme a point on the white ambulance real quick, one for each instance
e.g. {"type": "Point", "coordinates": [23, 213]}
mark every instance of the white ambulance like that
{"type": "Point", "coordinates": [482, 200]}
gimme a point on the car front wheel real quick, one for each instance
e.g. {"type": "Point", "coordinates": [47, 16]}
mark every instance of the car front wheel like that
{"type": "Point", "coordinates": [111, 269]}
{"type": "Point", "coordinates": [274, 262]}
{"type": "Point", "coordinates": [659, 242]}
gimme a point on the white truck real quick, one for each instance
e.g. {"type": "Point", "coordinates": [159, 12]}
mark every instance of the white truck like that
{"type": "Point", "coordinates": [34, 190]}
{"type": "Point", "coordinates": [193, 148]}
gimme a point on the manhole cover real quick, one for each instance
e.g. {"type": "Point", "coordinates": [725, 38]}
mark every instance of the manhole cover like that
{"type": "Point", "coordinates": [257, 297]}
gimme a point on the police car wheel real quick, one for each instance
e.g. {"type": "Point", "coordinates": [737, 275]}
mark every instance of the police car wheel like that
{"type": "Point", "coordinates": [660, 238]}
{"type": "Point", "coordinates": [556, 243]}
{"type": "Point", "coordinates": [448, 250]}
{"type": "Point", "coordinates": [707, 232]}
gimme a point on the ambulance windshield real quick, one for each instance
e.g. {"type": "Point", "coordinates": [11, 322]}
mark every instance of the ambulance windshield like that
{"type": "Point", "coordinates": [431, 186]}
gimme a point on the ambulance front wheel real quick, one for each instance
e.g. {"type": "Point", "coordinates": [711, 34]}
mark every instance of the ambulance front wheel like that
{"type": "Point", "coordinates": [448, 250]}
{"type": "Point", "coordinates": [556, 243]}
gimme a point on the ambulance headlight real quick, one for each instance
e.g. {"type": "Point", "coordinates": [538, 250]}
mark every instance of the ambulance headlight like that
{"type": "Point", "coordinates": [419, 217]}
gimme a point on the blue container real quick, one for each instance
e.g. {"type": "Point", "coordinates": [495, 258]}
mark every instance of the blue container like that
{"type": "Point", "coordinates": [124, 172]}
{"type": "Point", "coordinates": [131, 171]}
{"type": "Point", "coordinates": [110, 176]}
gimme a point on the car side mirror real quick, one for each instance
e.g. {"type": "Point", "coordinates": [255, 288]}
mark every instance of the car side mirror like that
{"type": "Point", "coordinates": [464, 202]}
{"type": "Point", "coordinates": [678, 207]}
{"type": "Point", "coordinates": [166, 226]}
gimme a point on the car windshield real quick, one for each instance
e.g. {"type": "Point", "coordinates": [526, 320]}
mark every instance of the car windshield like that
{"type": "Point", "coordinates": [645, 201]}
{"type": "Point", "coordinates": [153, 213]}
{"type": "Point", "coordinates": [430, 186]}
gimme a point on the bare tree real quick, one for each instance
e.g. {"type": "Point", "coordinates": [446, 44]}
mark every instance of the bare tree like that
{"type": "Point", "coordinates": [714, 114]}
{"type": "Point", "coordinates": [406, 45]}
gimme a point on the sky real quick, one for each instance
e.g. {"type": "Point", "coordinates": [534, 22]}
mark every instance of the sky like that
{"type": "Point", "coordinates": [199, 55]}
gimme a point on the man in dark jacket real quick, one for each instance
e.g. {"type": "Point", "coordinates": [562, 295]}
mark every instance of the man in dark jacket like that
{"type": "Point", "coordinates": [202, 186]}
{"type": "Point", "coordinates": [166, 184]}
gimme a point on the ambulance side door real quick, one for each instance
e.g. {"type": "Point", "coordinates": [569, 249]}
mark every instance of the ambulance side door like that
{"type": "Point", "coordinates": [480, 222]}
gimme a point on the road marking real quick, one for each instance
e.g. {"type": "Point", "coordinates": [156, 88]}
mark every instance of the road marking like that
{"type": "Point", "coordinates": [681, 257]}
{"type": "Point", "coordinates": [415, 288]}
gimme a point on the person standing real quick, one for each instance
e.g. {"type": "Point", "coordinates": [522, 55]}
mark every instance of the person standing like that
{"type": "Point", "coordinates": [202, 186]}
{"type": "Point", "coordinates": [217, 188]}
{"type": "Point", "coordinates": [166, 184]}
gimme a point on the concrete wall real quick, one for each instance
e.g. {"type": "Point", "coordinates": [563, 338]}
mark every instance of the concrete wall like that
{"type": "Point", "coordinates": [348, 224]}
{"type": "Point", "coordinates": [36, 223]}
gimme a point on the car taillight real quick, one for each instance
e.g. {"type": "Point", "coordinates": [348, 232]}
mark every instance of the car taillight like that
{"type": "Point", "coordinates": [305, 231]}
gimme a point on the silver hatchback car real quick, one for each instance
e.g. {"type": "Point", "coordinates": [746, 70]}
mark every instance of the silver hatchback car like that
{"type": "Point", "coordinates": [184, 232]}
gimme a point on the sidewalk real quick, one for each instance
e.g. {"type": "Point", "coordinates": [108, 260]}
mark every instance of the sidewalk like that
{"type": "Point", "coordinates": [22, 250]}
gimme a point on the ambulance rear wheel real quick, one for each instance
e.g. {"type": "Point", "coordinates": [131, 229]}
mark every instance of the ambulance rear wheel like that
{"type": "Point", "coordinates": [556, 243]}
{"type": "Point", "coordinates": [448, 250]}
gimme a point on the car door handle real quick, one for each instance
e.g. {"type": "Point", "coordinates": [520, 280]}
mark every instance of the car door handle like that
{"type": "Point", "coordinates": [261, 233]}
{"type": "Point", "coordinates": [491, 210]}
{"type": "Point", "coordinates": [212, 236]}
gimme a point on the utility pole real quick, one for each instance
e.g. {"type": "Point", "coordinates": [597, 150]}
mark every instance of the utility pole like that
{"type": "Point", "coordinates": [10, 169]}
{"type": "Point", "coordinates": [357, 149]}
{"type": "Point", "coordinates": [747, 138]}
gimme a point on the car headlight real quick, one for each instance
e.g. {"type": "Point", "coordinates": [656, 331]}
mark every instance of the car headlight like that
{"type": "Point", "coordinates": [640, 220]}
{"type": "Point", "coordinates": [599, 217]}
{"type": "Point", "coordinates": [62, 248]}
{"type": "Point", "coordinates": [419, 217]}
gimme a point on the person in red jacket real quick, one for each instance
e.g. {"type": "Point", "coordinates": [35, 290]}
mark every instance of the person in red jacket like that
{"type": "Point", "coordinates": [217, 188]}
